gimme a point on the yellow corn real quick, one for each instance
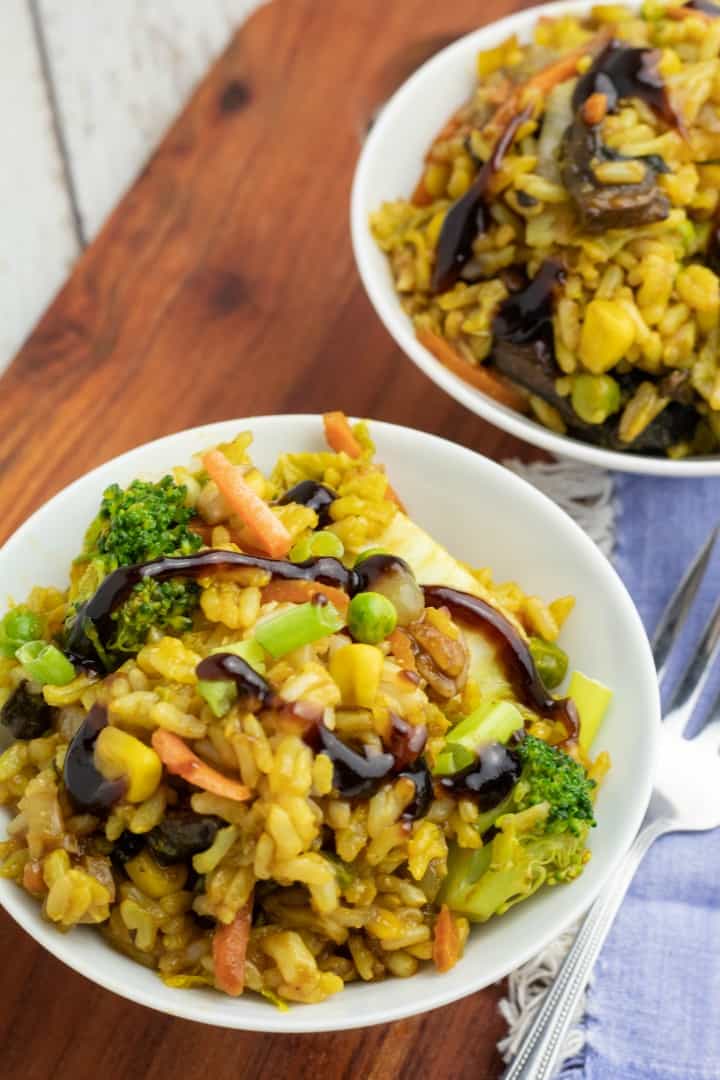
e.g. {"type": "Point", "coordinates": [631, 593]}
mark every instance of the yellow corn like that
{"type": "Point", "coordinates": [154, 880]}
{"type": "Point", "coordinates": [119, 754]}
{"type": "Point", "coordinates": [699, 288]}
{"type": "Point", "coordinates": [607, 334]}
{"type": "Point", "coordinates": [357, 669]}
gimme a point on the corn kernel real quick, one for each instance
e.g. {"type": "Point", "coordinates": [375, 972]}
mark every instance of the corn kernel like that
{"type": "Point", "coordinates": [154, 880]}
{"type": "Point", "coordinates": [357, 669]}
{"type": "Point", "coordinates": [699, 288]}
{"type": "Point", "coordinates": [607, 333]}
{"type": "Point", "coordinates": [118, 754]}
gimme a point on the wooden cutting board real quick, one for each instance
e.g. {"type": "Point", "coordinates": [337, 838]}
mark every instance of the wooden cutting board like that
{"type": "Point", "coordinates": [224, 286]}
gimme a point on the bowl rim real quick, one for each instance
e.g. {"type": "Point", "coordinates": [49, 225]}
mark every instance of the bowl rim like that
{"type": "Point", "coordinates": [184, 1005]}
{"type": "Point", "coordinates": [383, 298]}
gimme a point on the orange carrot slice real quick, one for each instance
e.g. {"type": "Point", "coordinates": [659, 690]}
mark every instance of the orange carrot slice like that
{"type": "Point", "coordinates": [446, 941]}
{"type": "Point", "coordinates": [299, 592]}
{"type": "Point", "coordinates": [229, 948]}
{"type": "Point", "coordinates": [271, 534]}
{"type": "Point", "coordinates": [339, 436]}
{"type": "Point", "coordinates": [179, 759]}
{"type": "Point", "coordinates": [491, 384]}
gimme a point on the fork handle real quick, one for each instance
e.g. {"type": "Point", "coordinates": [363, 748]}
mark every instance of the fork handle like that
{"type": "Point", "coordinates": [538, 1054]}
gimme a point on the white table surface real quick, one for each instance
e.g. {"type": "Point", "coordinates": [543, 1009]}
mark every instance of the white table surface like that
{"type": "Point", "coordinates": [87, 88]}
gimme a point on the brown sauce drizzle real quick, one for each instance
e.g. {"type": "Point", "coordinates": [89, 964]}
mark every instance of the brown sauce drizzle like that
{"type": "Point", "coordinates": [623, 71]}
{"type": "Point", "coordinates": [466, 217]}
{"type": "Point", "coordinates": [86, 785]}
{"type": "Point", "coordinates": [115, 589]}
{"type": "Point", "coordinates": [424, 790]}
{"type": "Point", "coordinates": [516, 657]}
{"type": "Point", "coordinates": [525, 317]}
{"type": "Point", "coordinates": [488, 780]}
{"type": "Point", "coordinates": [317, 497]}
{"type": "Point", "coordinates": [706, 6]}
{"type": "Point", "coordinates": [253, 690]}
{"type": "Point", "coordinates": [355, 775]}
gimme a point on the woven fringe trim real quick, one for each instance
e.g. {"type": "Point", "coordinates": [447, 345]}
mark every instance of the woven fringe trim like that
{"type": "Point", "coordinates": [586, 494]}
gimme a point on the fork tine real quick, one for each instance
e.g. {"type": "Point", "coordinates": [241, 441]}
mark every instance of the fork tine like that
{"type": "Point", "coordinates": [678, 607]}
{"type": "Point", "coordinates": [696, 674]}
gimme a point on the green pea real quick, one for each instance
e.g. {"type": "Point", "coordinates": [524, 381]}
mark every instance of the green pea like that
{"type": "Point", "coordinates": [595, 397]}
{"type": "Point", "coordinates": [301, 551]}
{"type": "Point", "coordinates": [371, 617]}
{"type": "Point", "coordinates": [550, 660]}
{"type": "Point", "coordinates": [18, 626]}
{"type": "Point", "coordinates": [45, 663]}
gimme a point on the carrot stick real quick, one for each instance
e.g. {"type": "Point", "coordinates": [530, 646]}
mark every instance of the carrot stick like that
{"type": "Point", "coordinates": [299, 592]}
{"type": "Point", "coordinates": [491, 384]}
{"type": "Point", "coordinates": [446, 941]}
{"type": "Point", "coordinates": [229, 948]}
{"type": "Point", "coordinates": [340, 438]}
{"type": "Point", "coordinates": [179, 759]}
{"type": "Point", "coordinates": [271, 534]}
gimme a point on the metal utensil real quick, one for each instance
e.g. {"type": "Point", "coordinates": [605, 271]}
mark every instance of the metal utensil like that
{"type": "Point", "coordinates": [686, 798]}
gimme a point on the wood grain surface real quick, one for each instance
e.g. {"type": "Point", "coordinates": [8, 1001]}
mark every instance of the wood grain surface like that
{"type": "Point", "coordinates": [223, 285]}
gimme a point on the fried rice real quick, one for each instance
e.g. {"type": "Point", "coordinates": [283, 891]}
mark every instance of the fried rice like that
{"type": "Point", "coordinates": [561, 249]}
{"type": "Point", "coordinates": [287, 827]}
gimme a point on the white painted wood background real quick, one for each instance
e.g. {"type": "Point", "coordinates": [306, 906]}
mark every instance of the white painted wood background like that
{"type": "Point", "coordinates": [87, 88]}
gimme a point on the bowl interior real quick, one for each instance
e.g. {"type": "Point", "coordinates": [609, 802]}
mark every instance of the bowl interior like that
{"type": "Point", "coordinates": [388, 169]}
{"type": "Point", "coordinates": [486, 516]}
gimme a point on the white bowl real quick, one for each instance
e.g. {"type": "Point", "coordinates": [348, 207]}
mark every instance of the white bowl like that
{"type": "Point", "coordinates": [487, 516]}
{"type": "Point", "coordinates": [388, 168]}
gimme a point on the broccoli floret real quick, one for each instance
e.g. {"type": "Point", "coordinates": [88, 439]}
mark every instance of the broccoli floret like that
{"type": "Point", "coordinates": [539, 836]}
{"type": "Point", "coordinates": [551, 776]}
{"type": "Point", "coordinates": [144, 522]}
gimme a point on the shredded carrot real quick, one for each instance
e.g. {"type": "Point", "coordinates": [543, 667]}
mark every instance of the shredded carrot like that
{"type": "Point", "coordinates": [421, 196]}
{"type": "Point", "coordinates": [179, 759]}
{"type": "Point", "coordinates": [547, 79]}
{"type": "Point", "coordinates": [229, 948]}
{"type": "Point", "coordinates": [271, 534]}
{"type": "Point", "coordinates": [339, 435]}
{"type": "Point", "coordinates": [495, 386]}
{"type": "Point", "coordinates": [594, 109]}
{"type": "Point", "coordinates": [401, 649]}
{"type": "Point", "coordinates": [446, 941]}
{"type": "Point", "coordinates": [299, 592]}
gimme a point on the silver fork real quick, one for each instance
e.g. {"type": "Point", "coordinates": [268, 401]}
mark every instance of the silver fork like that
{"type": "Point", "coordinates": [686, 798]}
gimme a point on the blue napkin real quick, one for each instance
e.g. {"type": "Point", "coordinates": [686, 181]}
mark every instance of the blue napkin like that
{"type": "Point", "coordinates": [654, 1004]}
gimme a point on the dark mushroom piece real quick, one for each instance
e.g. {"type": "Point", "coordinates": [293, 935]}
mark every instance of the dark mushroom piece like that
{"type": "Point", "coordinates": [607, 206]}
{"type": "Point", "coordinates": [182, 834]}
{"type": "Point", "coordinates": [26, 715]}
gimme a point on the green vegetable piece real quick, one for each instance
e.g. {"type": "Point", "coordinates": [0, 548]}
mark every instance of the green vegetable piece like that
{"type": "Point", "coordinates": [551, 776]}
{"type": "Point", "coordinates": [301, 625]}
{"type": "Point", "coordinates": [550, 660]}
{"type": "Point", "coordinates": [369, 553]}
{"type": "Point", "coordinates": [220, 694]}
{"type": "Point", "coordinates": [327, 543]}
{"type": "Point", "coordinates": [17, 627]}
{"type": "Point", "coordinates": [371, 617]}
{"type": "Point", "coordinates": [45, 663]}
{"type": "Point", "coordinates": [592, 699]}
{"type": "Point", "coordinates": [319, 543]}
{"type": "Point", "coordinates": [595, 397]}
{"type": "Point", "coordinates": [249, 651]}
{"type": "Point", "coordinates": [301, 550]}
{"type": "Point", "coordinates": [495, 721]}
{"type": "Point", "coordinates": [343, 871]}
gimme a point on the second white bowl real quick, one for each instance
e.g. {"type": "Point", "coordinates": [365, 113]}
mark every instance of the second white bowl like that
{"type": "Point", "coordinates": [389, 167]}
